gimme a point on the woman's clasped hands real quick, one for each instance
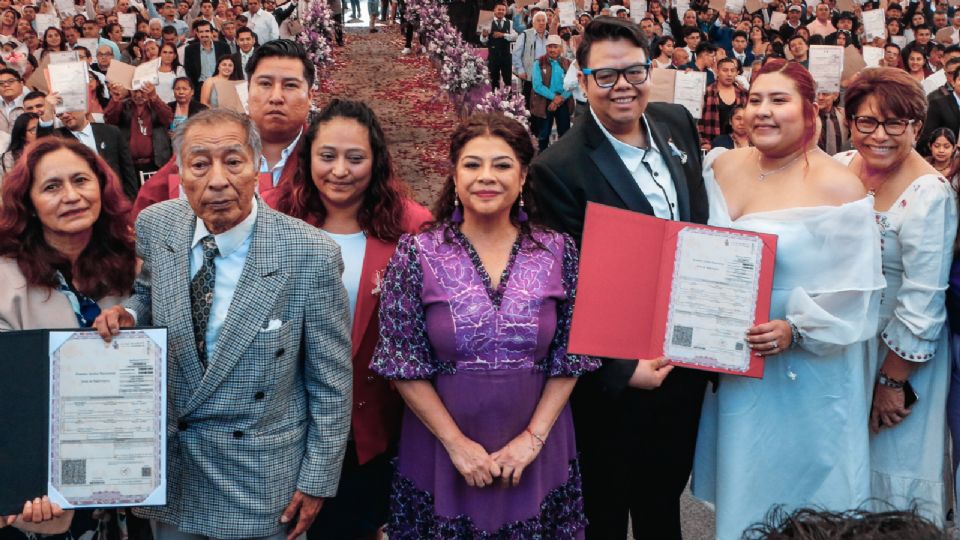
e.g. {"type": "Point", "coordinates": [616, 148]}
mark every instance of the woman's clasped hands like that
{"type": "Point", "coordinates": [481, 469]}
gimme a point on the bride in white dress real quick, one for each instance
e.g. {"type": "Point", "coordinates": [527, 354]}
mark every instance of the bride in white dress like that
{"type": "Point", "coordinates": [797, 437]}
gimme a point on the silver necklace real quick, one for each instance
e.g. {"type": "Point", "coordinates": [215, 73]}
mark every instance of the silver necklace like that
{"type": "Point", "coordinates": [763, 175]}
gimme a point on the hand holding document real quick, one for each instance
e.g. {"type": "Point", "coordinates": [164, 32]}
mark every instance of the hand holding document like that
{"type": "Point", "coordinates": [826, 67]}
{"type": "Point", "coordinates": [777, 18]}
{"type": "Point", "coordinates": [132, 78]}
{"type": "Point", "coordinates": [70, 81]}
{"type": "Point", "coordinates": [874, 25]}
{"type": "Point", "coordinates": [90, 430]}
{"type": "Point", "coordinates": [128, 21]}
{"type": "Point", "coordinates": [567, 11]}
{"type": "Point", "coordinates": [484, 22]}
{"type": "Point", "coordinates": [872, 56]}
{"type": "Point", "coordinates": [685, 291]}
{"type": "Point", "coordinates": [107, 418]}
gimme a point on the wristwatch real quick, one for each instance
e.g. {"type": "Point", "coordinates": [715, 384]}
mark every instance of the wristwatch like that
{"type": "Point", "coordinates": [890, 383]}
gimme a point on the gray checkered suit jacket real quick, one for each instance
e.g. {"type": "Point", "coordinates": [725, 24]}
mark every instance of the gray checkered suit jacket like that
{"type": "Point", "coordinates": [271, 413]}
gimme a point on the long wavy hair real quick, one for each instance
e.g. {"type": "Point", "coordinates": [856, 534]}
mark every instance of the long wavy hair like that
{"type": "Point", "coordinates": [514, 134]}
{"type": "Point", "coordinates": [108, 263]}
{"type": "Point", "coordinates": [381, 212]}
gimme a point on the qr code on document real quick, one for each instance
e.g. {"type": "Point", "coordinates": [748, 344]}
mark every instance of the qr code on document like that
{"type": "Point", "coordinates": [73, 471]}
{"type": "Point", "coordinates": [682, 336]}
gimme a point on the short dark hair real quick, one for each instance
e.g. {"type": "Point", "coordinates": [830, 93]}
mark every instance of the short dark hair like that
{"type": "Point", "coordinates": [186, 80]}
{"type": "Point", "coordinates": [34, 95]}
{"type": "Point", "coordinates": [609, 29]}
{"type": "Point", "coordinates": [11, 71]}
{"type": "Point", "coordinates": [247, 30]}
{"type": "Point", "coordinates": [688, 30]}
{"type": "Point", "coordinates": [796, 37]}
{"type": "Point", "coordinates": [286, 48]}
{"type": "Point", "coordinates": [895, 92]}
{"type": "Point", "coordinates": [955, 48]}
{"type": "Point", "coordinates": [921, 26]}
{"type": "Point", "coordinates": [168, 29]}
{"type": "Point", "coordinates": [201, 22]}
{"type": "Point", "coordinates": [740, 33]}
{"type": "Point", "coordinates": [705, 47]}
{"type": "Point", "coordinates": [809, 523]}
{"type": "Point", "coordinates": [951, 62]}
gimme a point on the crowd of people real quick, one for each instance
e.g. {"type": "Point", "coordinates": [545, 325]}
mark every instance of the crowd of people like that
{"type": "Point", "coordinates": [344, 361]}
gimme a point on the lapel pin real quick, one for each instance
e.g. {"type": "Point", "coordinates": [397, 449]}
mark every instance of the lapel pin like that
{"type": "Point", "coordinates": [677, 152]}
{"type": "Point", "coordinates": [377, 280]}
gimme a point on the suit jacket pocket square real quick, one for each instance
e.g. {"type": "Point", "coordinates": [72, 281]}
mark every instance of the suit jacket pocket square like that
{"type": "Point", "coordinates": [272, 325]}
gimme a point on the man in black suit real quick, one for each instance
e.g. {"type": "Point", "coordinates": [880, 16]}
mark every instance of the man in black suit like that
{"type": "Point", "coordinates": [944, 111]}
{"type": "Point", "coordinates": [497, 39]}
{"type": "Point", "coordinates": [246, 44]}
{"type": "Point", "coordinates": [200, 57]}
{"type": "Point", "coordinates": [103, 139]}
{"type": "Point", "coordinates": [636, 443]}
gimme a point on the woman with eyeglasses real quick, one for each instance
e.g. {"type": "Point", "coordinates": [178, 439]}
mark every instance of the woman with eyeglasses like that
{"type": "Point", "coordinates": [916, 212]}
{"type": "Point", "coordinates": [797, 437]}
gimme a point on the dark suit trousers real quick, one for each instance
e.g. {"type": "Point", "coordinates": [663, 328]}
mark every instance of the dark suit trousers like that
{"type": "Point", "coordinates": [636, 454]}
{"type": "Point", "coordinates": [501, 67]}
{"type": "Point", "coordinates": [527, 91]}
{"type": "Point", "coordinates": [562, 118]}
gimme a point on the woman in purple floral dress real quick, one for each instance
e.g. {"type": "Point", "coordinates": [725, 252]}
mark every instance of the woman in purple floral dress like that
{"type": "Point", "coordinates": [474, 317]}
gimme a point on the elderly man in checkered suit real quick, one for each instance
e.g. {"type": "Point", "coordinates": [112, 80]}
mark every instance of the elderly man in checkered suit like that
{"type": "Point", "coordinates": [259, 345]}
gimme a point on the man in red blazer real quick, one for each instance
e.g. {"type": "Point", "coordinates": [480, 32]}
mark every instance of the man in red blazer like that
{"type": "Point", "coordinates": [279, 76]}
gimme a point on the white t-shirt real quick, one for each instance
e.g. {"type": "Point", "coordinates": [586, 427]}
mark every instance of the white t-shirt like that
{"type": "Point", "coordinates": [165, 86]}
{"type": "Point", "coordinates": [352, 248]}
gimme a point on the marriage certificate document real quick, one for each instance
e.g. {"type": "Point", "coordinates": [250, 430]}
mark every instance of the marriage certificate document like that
{"type": "Point", "coordinates": [107, 418]}
{"type": "Point", "coordinates": [685, 291]}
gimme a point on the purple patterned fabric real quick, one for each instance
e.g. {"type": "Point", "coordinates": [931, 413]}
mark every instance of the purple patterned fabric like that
{"type": "Point", "coordinates": [560, 518]}
{"type": "Point", "coordinates": [488, 353]}
{"type": "Point", "coordinates": [439, 314]}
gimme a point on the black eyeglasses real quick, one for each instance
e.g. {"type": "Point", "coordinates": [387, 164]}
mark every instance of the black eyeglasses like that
{"type": "Point", "coordinates": [607, 77]}
{"type": "Point", "coordinates": [869, 124]}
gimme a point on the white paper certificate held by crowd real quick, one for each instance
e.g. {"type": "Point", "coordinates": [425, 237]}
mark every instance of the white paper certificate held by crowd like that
{"type": "Point", "coordinates": [107, 419]}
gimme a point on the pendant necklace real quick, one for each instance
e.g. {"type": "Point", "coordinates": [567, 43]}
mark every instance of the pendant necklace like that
{"type": "Point", "coordinates": [763, 175]}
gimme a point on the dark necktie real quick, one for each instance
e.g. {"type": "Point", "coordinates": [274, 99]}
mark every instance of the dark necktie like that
{"type": "Point", "coordinates": [201, 295]}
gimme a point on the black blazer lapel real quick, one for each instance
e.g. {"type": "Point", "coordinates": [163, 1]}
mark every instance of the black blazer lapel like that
{"type": "Point", "coordinates": [614, 171]}
{"type": "Point", "coordinates": [661, 137]}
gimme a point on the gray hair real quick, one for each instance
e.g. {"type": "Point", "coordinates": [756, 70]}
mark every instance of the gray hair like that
{"type": "Point", "coordinates": [214, 118]}
{"type": "Point", "coordinates": [539, 15]}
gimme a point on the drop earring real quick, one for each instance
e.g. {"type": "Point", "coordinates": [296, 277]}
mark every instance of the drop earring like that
{"type": "Point", "coordinates": [457, 216]}
{"type": "Point", "coordinates": [521, 214]}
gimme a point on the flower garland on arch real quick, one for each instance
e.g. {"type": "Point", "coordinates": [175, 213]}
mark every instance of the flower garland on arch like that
{"type": "Point", "coordinates": [315, 36]}
{"type": "Point", "coordinates": [464, 75]}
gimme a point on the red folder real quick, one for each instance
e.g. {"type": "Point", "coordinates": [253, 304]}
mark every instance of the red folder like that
{"type": "Point", "coordinates": [626, 272]}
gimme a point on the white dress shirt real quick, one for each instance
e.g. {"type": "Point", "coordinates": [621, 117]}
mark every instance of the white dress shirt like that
{"type": "Point", "coordinates": [649, 169]}
{"type": "Point", "coordinates": [85, 136]}
{"type": "Point", "coordinates": [277, 169]}
{"type": "Point", "coordinates": [264, 24]}
{"type": "Point", "coordinates": [234, 246]}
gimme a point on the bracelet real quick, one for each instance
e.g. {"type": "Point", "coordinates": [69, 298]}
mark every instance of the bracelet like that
{"type": "Point", "coordinates": [795, 336]}
{"type": "Point", "coordinates": [890, 383]}
{"type": "Point", "coordinates": [539, 439]}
